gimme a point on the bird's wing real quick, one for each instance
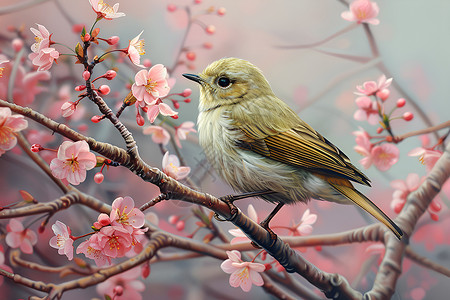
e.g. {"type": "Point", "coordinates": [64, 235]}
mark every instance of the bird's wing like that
{"type": "Point", "coordinates": [300, 146]}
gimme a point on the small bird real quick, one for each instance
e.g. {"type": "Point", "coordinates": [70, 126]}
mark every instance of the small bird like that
{"type": "Point", "coordinates": [258, 145]}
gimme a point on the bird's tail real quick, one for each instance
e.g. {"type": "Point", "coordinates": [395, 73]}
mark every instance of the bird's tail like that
{"type": "Point", "coordinates": [363, 202]}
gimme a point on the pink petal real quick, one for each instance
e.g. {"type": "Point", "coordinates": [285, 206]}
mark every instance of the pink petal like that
{"type": "Point", "coordinates": [256, 278]}
{"type": "Point", "coordinates": [227, 267]}
{"type": "Point", "coordinates": [15, 225]}
{"type": "Point", "coordinates": [152, 113]}
{"type": "Point", "coordinates": [166, 110]}
{"type": "Point", "coordinates": [141, 78]}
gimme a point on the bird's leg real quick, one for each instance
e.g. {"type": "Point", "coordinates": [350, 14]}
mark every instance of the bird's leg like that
{"type": "Point", "coordinates": [229, 199]}
{"type": "Point", "coordinates": [265, 224]}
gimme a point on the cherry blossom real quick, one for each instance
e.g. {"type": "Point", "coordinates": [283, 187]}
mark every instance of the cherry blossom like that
{"type": "Point", "coordinates": [2, 61]}
{"type": "Point", "coordinates": [427, 156]}
{"type": "Point", "coordinates": [9, 125]}
{"type": "Point", "coordinates": [41, 38]}
{"type": "Point", "coordinates": [182, 131]}
{"type": "Point", "coordinates": [362, 11]}
{"type": "Point", "coordinates": [105, 11]}
{"type": "Point", "coordinates": [243, 274]}
{"type": "Point", "coordinates": [72, 161]}
{"type": "Point", "coordinates": [370, 88]}
{"type": "Point", "coordinates": [159, 108]}
{"type": "Point", "coordinates": [62, 239]}
{"type": "Point", "coordinates": [91, 249]}
{"type": "Point", "coordinates": [158, 133]}
{"type": "Point", "coordinates": [44, 58]}
{"type": "Point", "coordinates": [122, 286]}
{"type": "Point", "coordinates": [239, 235]}
{"type": "Point", "coordinates": [363, 147]}
{"type": "Point", "coordinates": [123, 212]}
{"type": "Point", "coordinates": [171, 166]}
{"type": "Point", "coordinates": [384, 156]}
{"type": "Point", "coordinates": [367, 110]}
{"type": "Point", "coordinates": [102, 220]}
{"type": "Point", "coordinates": [150, 85]}
{"type": "Point", "coordinates": [304, 227]}
{"type": "Point", "coordinates": [135, 50]}
{"type": "Point", "coordinates": [114, 241]}
{"type": "Point", "coordinates": [18, 236]}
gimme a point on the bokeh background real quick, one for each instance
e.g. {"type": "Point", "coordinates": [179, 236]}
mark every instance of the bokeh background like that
{"type": "Point", "coordinates": [413, 42]}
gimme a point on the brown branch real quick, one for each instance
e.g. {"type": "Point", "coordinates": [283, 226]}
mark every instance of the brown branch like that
{"type": "Point", "coordinates": [425, 262]}
{"type": "Point", "coordinates": [424, 131]}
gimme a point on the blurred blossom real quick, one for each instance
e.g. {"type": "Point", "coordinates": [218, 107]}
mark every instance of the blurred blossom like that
{"type": "Point", "coordinates": [362, 11]}
{"type": "Point", "coordinates": [9, 125]}
{"type": "Point", "coordinates": [135, 50]}
{"type": "Point", "coordinates": [150, 85]}
{"type": "Point", "coordinates": [62, 239]}
{"type": "Point", "coordinates": [239, 235]}
{"type": "Point", "coordinates": [126, 283]}
{"type": "Point", "coordinates": [19, 237]}
{"type": "Point", "coordinates": [44, 58]}
{"type": "Point", "coordinates": [304, 227]}
{"type": "Point", "coordinates": [367, 110]}
{"type": "Point", "coordinates": [182, 131]}
{"type": "Point", "coordinates": [41, 37]}
{"type": "Point", "coordinates": [427, 157]}
{"type": "Point", "coordinates": [105, 11]}
{"type": "Point", "coordinates": [370, 88]}
{"type": "Point", "coordinates": [243, 274]}
{"type": "Point", "coordinates": [158, 133]}
{"type": "Point", "coordinates": [171, 166]}
{"type": "Point", "coordinates": [384, 156]}
{"type": "Point", "coordinates": [402, 189]}
{"type": "Point", "coordinates": [73, 159]}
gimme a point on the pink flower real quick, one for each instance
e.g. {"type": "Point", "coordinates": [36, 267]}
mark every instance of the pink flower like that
{"type": "Point", "coordinates": [304, 226]}
{"type": "Point", "coordinates": [9, 125]}
{"type": "Point", "coordinates": [62, 240]}
{"type": "Point", "coordinates": [363, 147]}
{"type": "Point", "coordinates": [239, 235]}
{"type": "Point", "coordinates": [122, 286]}
{"type": "Point", "coordinates": [91, 249]}
{"type": "Point", "coordinates": [135, 50]}
{"type": "Point", "coordinates": [159, 107]}
{"type": "Point", "coordinates": [18, 236]}
{"type": "Point", "coordinates": [105, 11]}
{"type": "Point", "coordinates": [114, 241]}
{"type": "Point", "coordinates": [362, 11]}
{"type": "Point", "coordinates": [171, 166]}
{"type": "Point", "coordinates": [41, 38]}
{"type": "Point", "coordinates": [44, 58]}
{"type": "Point", "coordinates": [2, 61]}
{"type": "Point", "coordinates": [123, 212]}
{"type": "Point", "coordinates": [243, 274]}
{"type": "Point", "coordinates": [367, 110]}
{"type": "Point", "coordinates": [370, 88]}
{"type": "Point", "coordinates": [402, 190]}
{"type": "Point", "coordinates": [150, 85]}
{"type": "Point", "coordinates": [427, 157]}
{"type": "Point", "coordinates": [102, 220]}
{"type": "Point", "coordinates": [182, 131]}
{"type": "Point", "coordinates": [72, 161]}
{"type": "Point", "coordinates": [159, 134]}
{"type": "Point", "coordinates": [384, 156]}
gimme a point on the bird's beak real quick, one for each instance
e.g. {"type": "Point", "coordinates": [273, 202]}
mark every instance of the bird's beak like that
{"type": "Point", "coordinates": [194, 77]}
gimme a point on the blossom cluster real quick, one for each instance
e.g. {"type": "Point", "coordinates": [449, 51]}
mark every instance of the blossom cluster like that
{"type": "Point", "coordinates": [114, 234]}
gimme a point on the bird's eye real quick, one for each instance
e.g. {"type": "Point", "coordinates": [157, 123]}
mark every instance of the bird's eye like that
{"type": "Point", "coordinates": [223, 82]}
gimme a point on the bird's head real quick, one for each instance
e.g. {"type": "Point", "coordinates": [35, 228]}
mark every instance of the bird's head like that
{"type": "Point", "coordinates": [229, 81]}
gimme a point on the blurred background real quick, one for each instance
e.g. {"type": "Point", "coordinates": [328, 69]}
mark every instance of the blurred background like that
{"type": "Point", "coordinates": [317, 82]}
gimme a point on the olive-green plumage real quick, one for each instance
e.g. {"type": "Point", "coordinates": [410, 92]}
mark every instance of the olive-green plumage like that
{"type": "Point", "coordinates": [256, 142]}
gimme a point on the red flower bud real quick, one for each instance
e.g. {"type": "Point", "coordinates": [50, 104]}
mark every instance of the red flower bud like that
{"type": "Point", "coordinates": [113, 40]}
{"type": "Point", "coordinates": [110, 74]}
{"type": "Point", "coordinates": [401, 102]}
{"type": "Point", "coordinates": [86, 75]}
{"type": "Point", "coordinates": [104, 89]}
{"type": "Point", "coordinates": [408, 116]}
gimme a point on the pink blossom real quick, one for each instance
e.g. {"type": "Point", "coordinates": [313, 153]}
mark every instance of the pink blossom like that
{"type": "Point", "coordinates": [384, 156]}
{"type": "Point", "coordinates": [44, 58]}
{"type": "Point", "coordinates": [239, 235]}
{"type": "Point", "coordinates": [18, 236]}
{"type": "Point", "coordinates": [2, 61]}
{"type": "Point", "coordinates": [91, 249]}
{"type": "Point", "coordinates": [159, 134]}
{"type": "Point", "coordinates": [41, 38]}
{"type": "Point", "coordinates": [102, 220]}
{"type": "Point", "coordinates": [114, 241]}
{"type": "Point", "coordinates": [367, 110]}
{"type": "Point", "coordinates": [304, 227]}
{"type": "Point", "coordinates": [62, 239]}
{"type": "Point", "coordinates": [370, 88]}
{"type": "Point", "coordinates": [150, 85]}
{"type": "Point", "coordinates": [122, 286]}
{"type": "Point", "coordinates": [135, 50]}
{"type": "Point", "coordinates": [105, 11]}
{"type": "Point", "coordinates": [159, 108]}
{"type": "Point", "coordinates": [362, 11]}
{"type": "Point", "coordinates": [182, 131]}
{"type": "Point", "coordinates": [72, 161]}
{"type": "Point", "coordinates": [243, 274]}
{"type": "Point", "coordinates": [68, 108]}
{"type": "Point", "coordinates": [123, 212]}
{"type": "Point", "coordinates": [427, 156]}
{"type": "Point", "coordinates": [363, 147]}
{"type": "Point", "coordinates": [403, 189]}
{"type": "Point", "coordinates": [26, 85]}
{"type": "Point", "coordinates": [171, 166]}
{"type": "Point", "coordinates": [9, 125]}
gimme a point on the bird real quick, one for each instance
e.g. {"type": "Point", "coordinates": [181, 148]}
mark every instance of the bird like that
{"type": "Point", "coordinates": [261, 147]}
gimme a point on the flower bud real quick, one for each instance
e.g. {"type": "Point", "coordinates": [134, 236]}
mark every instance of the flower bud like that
{"type": "Point", "coordinates": [186, 93]}
{"type": "Point", "coordinates": [401, 102]}
{"type": "Point", "coordinates": [96, 119]}
{"type": "Point", "coordinates": [140, 120]}
{"type": "Point", "coordinates": [197, 1]}
{"type": "Point", "coordinates": [173, 219]}
{"type": "Point", "coordinates": [79, 88]}
{"type": "Point", "coordinates": [383, 94]}
{"type": "Point", "coordinates": [210, 29]}
{"type": "Point", "coordinates": [118, 290]}
{"type": "Point", "coordinates": [180, 225]}
{"type": "Point", "coordinates": [207, 45]}
{"type": "Point", "coordinates": [86, 37]}
{"type": "Point", "coordinates": [408, 116]}
{"type": "Point", "coordinates": [221, 11]}
{"type": "Point", "coordinates": [379, 130]}
{"type": "Point", "coordinates": [17, 44]}
{"type": "Point", "coordinates": [171, 7]}
{"type": "Point", "coordinates": [86, 75]}
{"type": "Point", "coordinates": [36, 148]}
{"type": "Point", "coordinates": [147, 63]}
{"type": "Point", "coordinates": [98, 177]}
{"type": "Point", "coordinates": [113, 40]}
{"type": "Point", "coordinates": [187, 100]}
{"type": "Point", "coordinates": [104, 89]}
{"type": "Point", "coordinates": [190, 55]}
{"type": "Point", "coordinates": [176, 104]}
{"type": "Point", "coordinates": [174, 117]}
{"type": "Point", "coordinates": [110, 74]}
